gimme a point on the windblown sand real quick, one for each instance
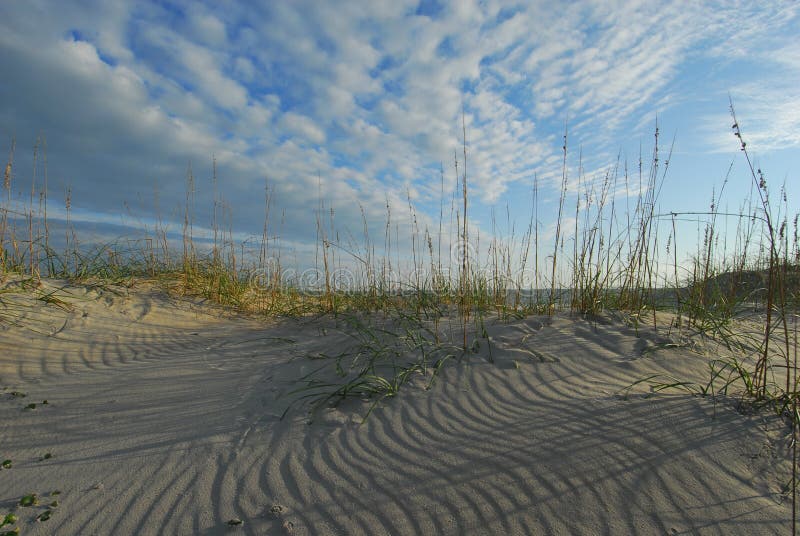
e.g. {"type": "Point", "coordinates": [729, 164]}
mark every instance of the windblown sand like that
{"type": "Point", "coordinates": [166, 416]}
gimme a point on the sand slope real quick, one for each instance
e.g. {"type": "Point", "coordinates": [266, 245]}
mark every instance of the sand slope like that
{"type": "Point", "coordinates": [164, 417]}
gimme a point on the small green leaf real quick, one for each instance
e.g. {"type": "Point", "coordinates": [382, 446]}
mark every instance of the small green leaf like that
{"type": "Point", "coordinates": [30, 406]}
{"type": "Point", "coordinates": [10, 519]}
{"type": "Point", "coordinates": [12, 532]}
{"type": "Point", "coordinates": [44, 516]}
{"type": "Point", "coordinates": [55, 492]}
{"type": "Point", "coordinates": [47, 456]}
{"type": "Point", "coordinates": [235, 521]}
{"type": "Point", "coordinates": [6, 464]}
{"type": "Point", "coordinates": [29, 500]}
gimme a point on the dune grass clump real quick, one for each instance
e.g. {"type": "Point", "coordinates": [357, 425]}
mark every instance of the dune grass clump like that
{"type": "Point", "coordinates": [381, 357]}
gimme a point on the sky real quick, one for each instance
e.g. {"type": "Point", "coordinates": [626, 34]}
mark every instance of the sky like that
{"type": "Point", "coordinates": [356, 106]}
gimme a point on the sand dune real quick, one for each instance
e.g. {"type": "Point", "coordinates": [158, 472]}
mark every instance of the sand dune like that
{"type": "Point", "coordinates": [166, 416]}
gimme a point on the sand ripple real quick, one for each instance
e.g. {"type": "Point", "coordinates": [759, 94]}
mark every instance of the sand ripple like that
{"type": "Point", "coordinates": [165, 420]}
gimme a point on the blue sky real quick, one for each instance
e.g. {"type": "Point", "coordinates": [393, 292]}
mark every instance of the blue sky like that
{"type": "Point", "coordinates": [360, 103]}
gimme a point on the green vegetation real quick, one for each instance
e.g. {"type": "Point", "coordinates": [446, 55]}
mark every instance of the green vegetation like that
{"type": "Point", "coordinates": [28, 500]}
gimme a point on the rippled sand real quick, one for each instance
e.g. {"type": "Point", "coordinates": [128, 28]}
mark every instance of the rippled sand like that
{"type": "Point", "coordinates": [167, 417]}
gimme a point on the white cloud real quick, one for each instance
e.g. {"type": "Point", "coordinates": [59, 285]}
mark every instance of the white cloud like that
{"type": "Point", "coordinates": [303, 126]}
{"type": "Point", "coordinates": [245, 69]}
{"type": "Point", "coordinates": [208, 29]}
{"type": "Point", "coordinates": [200, 65]}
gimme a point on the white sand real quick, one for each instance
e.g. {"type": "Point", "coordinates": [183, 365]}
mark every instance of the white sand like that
{"type": "Point", "coordinates": [164, 417]}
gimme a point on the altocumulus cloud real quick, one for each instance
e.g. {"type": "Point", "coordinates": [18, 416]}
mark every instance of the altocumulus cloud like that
{"type": "Point", "coordinates": [361, 103]}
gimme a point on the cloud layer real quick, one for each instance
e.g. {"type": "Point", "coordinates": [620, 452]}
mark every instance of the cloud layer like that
{"type": "Point", "coordinates": [361, 103]}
